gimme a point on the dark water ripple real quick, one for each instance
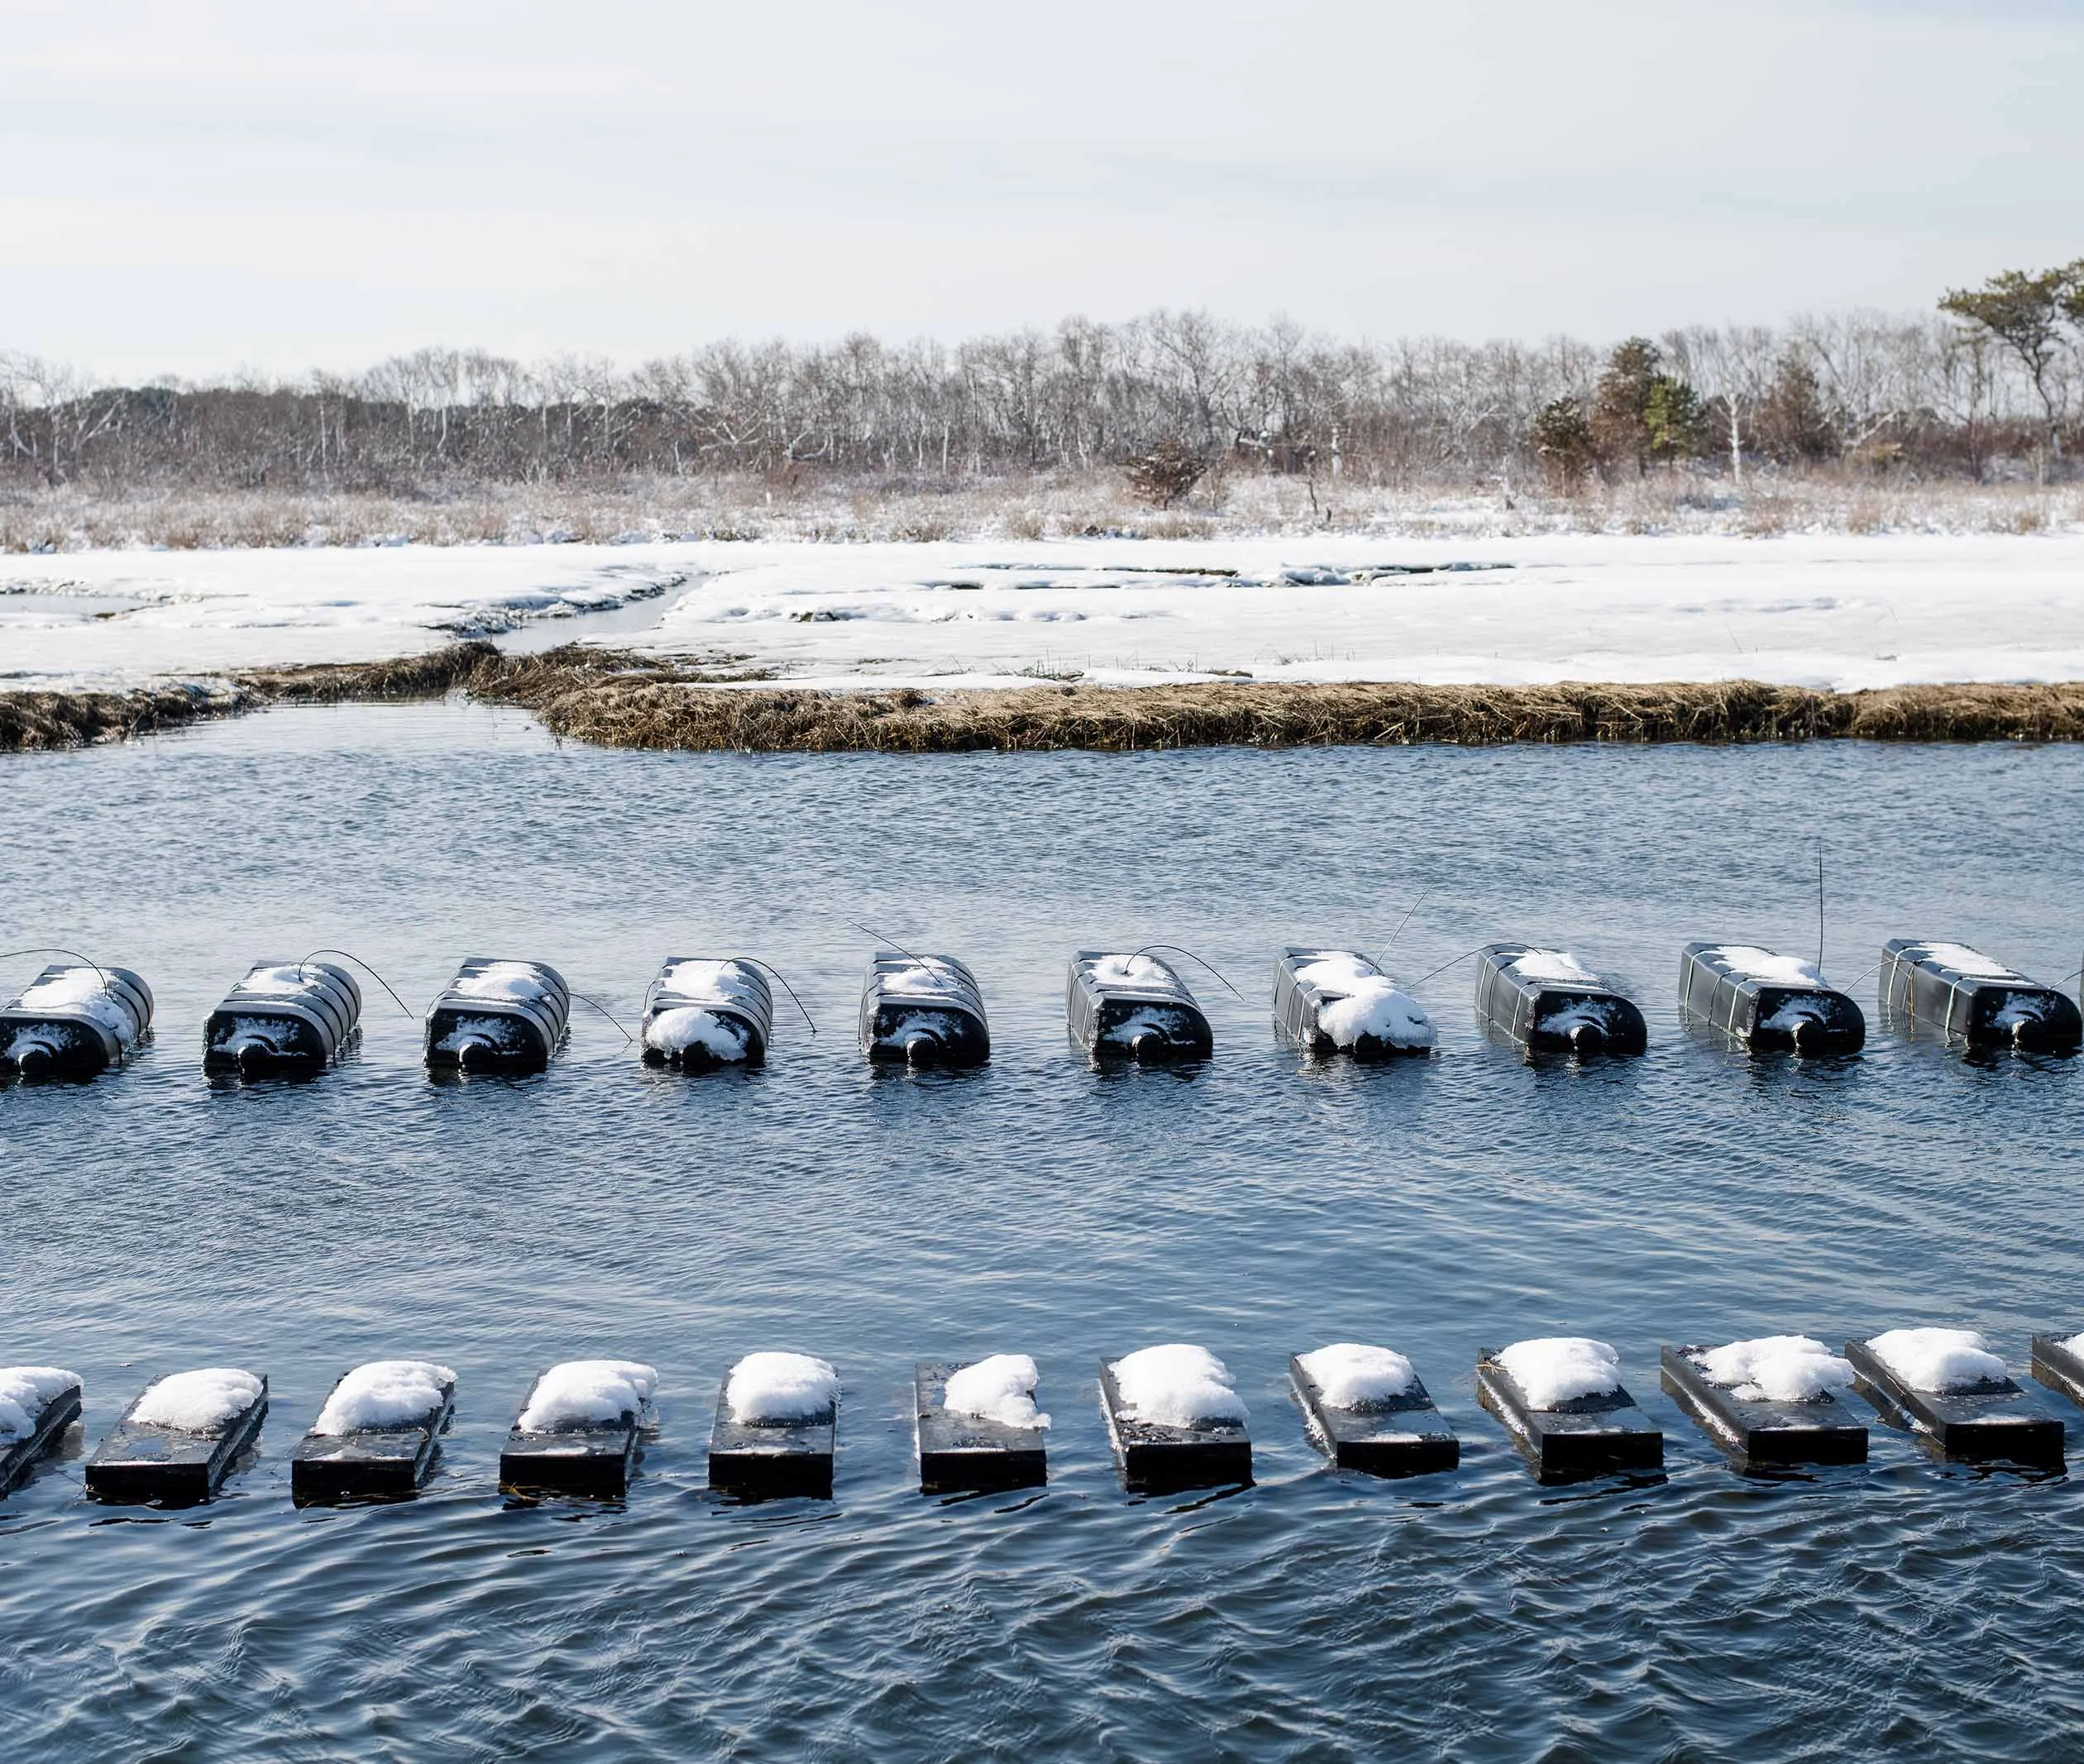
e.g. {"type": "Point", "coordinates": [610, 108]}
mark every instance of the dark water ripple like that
{"type": "Point", "coordinates": [1258, 1206]}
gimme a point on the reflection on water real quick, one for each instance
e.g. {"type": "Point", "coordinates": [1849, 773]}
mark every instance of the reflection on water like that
{"type": "Point", "coordinates": [1259, 1204]}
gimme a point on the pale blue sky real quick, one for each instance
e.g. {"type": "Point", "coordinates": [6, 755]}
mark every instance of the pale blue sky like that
{"type": "Point", "coordinates": [194, 187]}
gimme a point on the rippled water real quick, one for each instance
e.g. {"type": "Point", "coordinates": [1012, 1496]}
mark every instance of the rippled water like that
{"type": "Point", "coordinates": [1258, 1206]}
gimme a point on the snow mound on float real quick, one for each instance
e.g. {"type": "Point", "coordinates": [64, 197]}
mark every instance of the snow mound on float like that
{"type": "Point", "coordinates": [1939, 1360]}
{"type": "Point", "coordinates": [1354, 1376]}
{"type": "Point", "coordinates": [1754, 964]}
{"type": "Point", "coordinates": [516, 980]}
{"type": "Point", "coordinates": [771, 1390]}
{"type": "Point", "coordinates": [1177, 1386]}
{"type": "Point", "coordinates": [685, 1026]}
{"type": "Point", "coordinates": [1553, 965]}
{"type": "Point", "coordinates": [919, 980]}
{"type": "Point", "coordinates": [1551, 1370]}
{"type": "Point", "coordinates": [199, 1402]}
{"type": "Point", "coordinates": [1377, 1007]}
{"type": "Point", "coordinates": [1130, 970]}
{"type": "Point", "coordinates": [80, 989]}
{"type": "Point", "coordinates": [999, 1388]}
{"type": "Point", "coordinates": [24, 1391]}
{"type": "Point", "coordinates": [1776, 1369]}
{"type": "Point", "coordinates": [1963, 960]}
{"type": "Point", "coordinates": [587, 1393]}
{"type": "Point", "coordinates": [725, 980]}
{"type": "Point", "coordinates": [383, 1393]}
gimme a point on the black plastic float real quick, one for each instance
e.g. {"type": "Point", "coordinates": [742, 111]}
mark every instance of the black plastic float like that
{"type": "Point", "coordinates": [591, 1459]}
{"type": "Point", "coordinates": [1763, 1011]}
{"type": "Point", "coordinates": [769, 1460]}
{"type": "Point", "coordinates": [1990, 1423]}
{"type": "Point", "coordinates": [1591, 1436]}
{"type": "Point", "coordinates": [2058, 1365]}
{"type": "Point", "coordinates": [1300, 1004]}
{"type": "Point", "coordinates": [497, 1016]}
{"type": "Point", "coordinates": [706, 1012]}
{"type": "Point", "coordinates": [1400, 1435]}
{"type": "Point", "coordinates": [283, 1016]}
{"type": "Point", "coordinates": [74, 1021]}
{"type": "Point", "coordinates": [1133, 1006]}
{"type": "Point", "coordinates": [961, 1454]}
{"type": "Point", "coordinates": [1557, 1012]}
{"type": "Point", "coordinates": [141, 1462]}
{"type": "Point", "coordinates": [923, 1011]}
{"type": "Point", "coordinates": [18, 1455]}
{"type": "Point", "coordinates": [388, 1462]}
{"type": "Point", "coordinates": [1157, 1459]}
{"type": "Point", "coordinates": [1958, 991]}
{"type": "Point", "coordinates": [1758, 1432]}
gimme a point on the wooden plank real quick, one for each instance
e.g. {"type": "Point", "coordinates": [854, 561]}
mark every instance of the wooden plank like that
{"type": "Point", "coordinates": [138, 1463]}
{"type": "Point", "coordinates": [372, 1463]}
{"type": "Point", "coordinates": [772, 1462]}
{"type": "Point", "coordinates": [1405, 1437]}
{"type": "Point", "coordinates": [1994, 1425]}
{"type": "Point", "coordinates": [1162, 1460]}
{"type": "Point", "coordinates": [1762, 1434]}
{"type": "Point", "coordinates": [1587, 1436]}
{"type": "Point", "coordinates": [22, 1454]}
{"type": "Point", "coordinates": [965, 1453]}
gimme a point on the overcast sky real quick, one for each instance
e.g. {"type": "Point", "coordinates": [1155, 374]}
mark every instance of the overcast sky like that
{"type": "Point", "coordinates": [192, 187]}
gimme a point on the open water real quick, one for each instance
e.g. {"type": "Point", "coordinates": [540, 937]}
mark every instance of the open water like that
{"type": "Point", "coordinates": [1258, 1206]}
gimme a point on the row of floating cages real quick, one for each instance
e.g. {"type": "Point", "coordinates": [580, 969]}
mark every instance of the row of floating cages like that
{"type": "Point", "coordinates": [1173, 1417]}
{"type": "Point", "coordinates": [76, 1020]}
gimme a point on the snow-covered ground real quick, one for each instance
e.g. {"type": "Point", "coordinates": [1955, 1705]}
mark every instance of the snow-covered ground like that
{"type": "Point", "coordinates": [1842, 612]}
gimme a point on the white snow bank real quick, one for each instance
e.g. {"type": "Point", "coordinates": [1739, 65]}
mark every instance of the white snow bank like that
{"type": "Point", "coordinates": [1380, 1008]}
{"type": "Point", "coordinates": [383, 1393]}
{"type": "Point", "coordinates": [1963, 960]}
{"type": "Point", "coordinates": [999, 1389]}
{"type": "Point", "coordinates": [81, 990]}
{"type": "Point", "coordinates": [1352, 1376]}
{"type": "Point", "coordinates": [199, 1402]}
{"type": "Point", "coordinates": [1551, 1370]}
{"type": "Point", "coordinates": [685, 1026]}
{"type": "Point", "coordinates": [24, 1390]}
{"type": "Point", "coordinates": [518, 980]}
{"type": "Point", "coordinates": [1763, 965]}
{"type": "Point", "coordinates": [1939, 1360]}
{"type": "Point", "coordinates": [1176, 1385]}
{"type": "Point", "coordinates": [1776, 1369]}
{"type": "Point", "coordinates": [1553, 965]}
{"type": "Point", "coordinates": [1130, 970]}
{"type": "Point", "coordinates": [778, 1390]}
{"type": "Point", "coordinates": [587, 1393]}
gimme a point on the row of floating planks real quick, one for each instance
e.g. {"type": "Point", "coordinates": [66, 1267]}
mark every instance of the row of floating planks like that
{"type": "Point", "coordinates": [79, 1019]}
{"type": "Point", "coordinates": [1406, 1435]}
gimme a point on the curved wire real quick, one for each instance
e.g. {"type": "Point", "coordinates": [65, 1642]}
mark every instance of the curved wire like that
{"type": "Point", "coordinates": [371, 972]}
{"type": "Point", "coordinates": [1406, 918]}
{"type": "Point", "coordinates": [1178, 950]}
{"type": "Point", "coordinates": [605, 1012]}
{"type": "Point", "coordinates": [107, 985]}
{"type": "Point", "coordinates": [751, 961]}
{"type": "Point", "coordinates": [1445, 966]}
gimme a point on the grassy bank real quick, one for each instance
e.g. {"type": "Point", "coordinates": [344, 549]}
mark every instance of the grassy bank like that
{"type": "Point", "coordinates": [616, 700]}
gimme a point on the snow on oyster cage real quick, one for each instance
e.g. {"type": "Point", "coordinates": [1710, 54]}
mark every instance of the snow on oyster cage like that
{"type": "Point", "coordinates": [1177, 1385]}
{"type": "Point", "coordinates": [1841, 611]}
{"type": "Point", "coordinates": [383, 1393]}
{"type": "Point", "coordinates": [24, 1393]}
{"type": "Point", "coordinates": [779, 1389]}
{"type": "Point", "coordinates": [1553, 964]}
{"type": "Point", "coordinates": [1372, 1005]}
{"type": "Point", "coordinates": [1762, 965]}
{"type": "Point", "coordinates": [1354, 1376]}
{"type": "Point", "coordinates": [1776, 1369]}
{"type": "Point", "coordinates": [198, 1401]}
{"type": "Point", "coordinates": [587, 1394]}
{"type": "Point", "coordinates": [1938, 1360]}
{"type": "Point", "coordinates": [1551, 1370]}
{"type": "Point", "coordinates": [999, 1388]}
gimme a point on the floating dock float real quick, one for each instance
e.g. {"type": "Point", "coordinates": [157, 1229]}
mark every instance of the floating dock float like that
{"type": "Point", "coordinates": [73, 1021]}
{"type": "Point", "coordinates": [777, 1422]}
{"type": "Point", "coordinates": [377, 1434]}
{"type": "Point", "coordinates": [1769, 1403]}
{"type": "Point", "coordinates": [1174, 1420]}
{"type": "Point", "coordinates": [497, 1016]}
{"type": "Point", "coordinates": [1767, 1001]}
{"type": "Point", "coordinates": [994, 1440]}
{"type": "Point", "coordinates": [2058, 1364]}
{"type": "Point", "coordinates": [176, 1442]}
{"type": "Point", "coordinates": [1368, 1410]}
{"type": "Point", "coordinates": [283, 1016]}
{"type": "Point", "coordinates": [705, 1013]}
{"type": "Point", "coordinates": [1947, 1388]}
{"type": "Point", "coordinates": [1548, 1002]}
{"type": "Point", "coordinates": [37, 1403]}
{"type": "Point", "coordinates": [1339, 1002]}
{"type": "Point", "coordinates": [923, 1010]}
{"type": "Point", "coordinates": [1562, 1400]}
{"type": "Point", "coordinates": [578, 1429]}
{"type": "Point", "coordinates": [1133, 1007]}
{"type": "Point", "coordinates": [1960, 992]}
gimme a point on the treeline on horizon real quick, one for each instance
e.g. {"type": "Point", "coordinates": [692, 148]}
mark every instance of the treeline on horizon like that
{"type": "Point", "coordinates": [1989, 384]}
